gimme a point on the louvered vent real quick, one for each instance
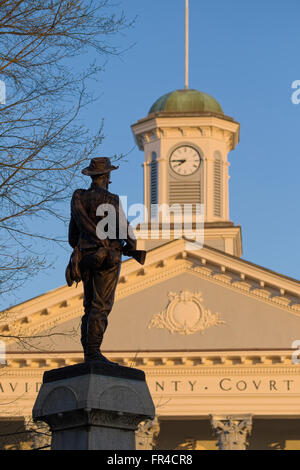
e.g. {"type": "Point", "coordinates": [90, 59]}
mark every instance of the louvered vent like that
{"type": "Point", "coordinates": [154, 188]}
{"type": "Point", "coordinates": [218, 188]}
{"type": "Point", "coordinates": [185, 193]}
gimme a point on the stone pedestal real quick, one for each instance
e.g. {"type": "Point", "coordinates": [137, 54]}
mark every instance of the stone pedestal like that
{"type": "Point", "coordinates": [93, 406]}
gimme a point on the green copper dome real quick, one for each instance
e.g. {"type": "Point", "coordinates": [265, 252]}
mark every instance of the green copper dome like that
{"type": "Point", "coordinates": [186, 101]}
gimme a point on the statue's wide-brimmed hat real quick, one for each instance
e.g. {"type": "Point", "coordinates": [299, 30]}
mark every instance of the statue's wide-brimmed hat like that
{"type": "Point", "coordinates": [99, 166]}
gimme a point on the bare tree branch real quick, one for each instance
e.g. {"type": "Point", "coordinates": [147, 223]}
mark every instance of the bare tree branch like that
{"type": "Point", "coordinates": [43, 139]}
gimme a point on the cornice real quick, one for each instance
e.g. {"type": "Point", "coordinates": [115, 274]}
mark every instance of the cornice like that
{"type": "Point", "coordinates": [161, 120]}
{"type": "Point", "coordinates": [245, 288]}
{"type": "Point", "coordinates": [223, 371]}
{"type": "Point", "coordinates": [172, 371]}
{"type": "Point", "coordinates": [162, 125]}
{"type": "Point", "coordinates": [162, 362]}
{"type": "Point", "coordinates": [37, 323]}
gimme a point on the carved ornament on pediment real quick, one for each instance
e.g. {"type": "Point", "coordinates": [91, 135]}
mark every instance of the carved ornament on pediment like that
{"type": "Point", "coordinates": [185, 314]}
{"type": "Point", "coordinates": [262, 293]}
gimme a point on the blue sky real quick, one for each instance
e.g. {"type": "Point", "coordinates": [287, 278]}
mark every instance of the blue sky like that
{"type": "Point", "coordinates": [245, 54]}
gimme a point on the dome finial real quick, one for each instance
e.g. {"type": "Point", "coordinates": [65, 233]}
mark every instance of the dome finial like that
{"type": "Point", "coordinates": [186, 44]}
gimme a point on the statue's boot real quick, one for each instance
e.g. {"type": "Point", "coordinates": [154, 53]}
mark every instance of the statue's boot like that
{"type": "Point", "coordinates": [96, 327]}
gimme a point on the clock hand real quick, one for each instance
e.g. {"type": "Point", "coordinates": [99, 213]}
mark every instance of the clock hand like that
{"type": "Point", "coordinates": [179, 164]}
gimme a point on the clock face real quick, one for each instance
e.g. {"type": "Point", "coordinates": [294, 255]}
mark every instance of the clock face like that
{"type": "Point", "coordinates": [185, 160]}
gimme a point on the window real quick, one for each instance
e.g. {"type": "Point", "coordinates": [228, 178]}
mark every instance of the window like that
{"type": "Point", "coordinates": [153, 184]}
{"type": "Point", "coordinates": [218, 187]}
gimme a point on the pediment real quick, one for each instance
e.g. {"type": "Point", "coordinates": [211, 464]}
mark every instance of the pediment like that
{"type": "Point", "coordinates": [255, 307]}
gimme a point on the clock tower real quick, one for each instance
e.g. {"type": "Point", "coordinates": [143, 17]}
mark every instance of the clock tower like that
{"type": "Point", "coordinates": [186, 138]}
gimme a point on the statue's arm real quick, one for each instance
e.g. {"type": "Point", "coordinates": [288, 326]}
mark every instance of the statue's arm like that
{"type": "Point", "coordinates": [74, 232]}
{"type": "Point", "coordinates": [130, 240]}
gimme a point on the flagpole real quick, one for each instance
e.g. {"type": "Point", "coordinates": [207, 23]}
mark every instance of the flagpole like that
{"type": "Point", "coordinates": [186, 44]}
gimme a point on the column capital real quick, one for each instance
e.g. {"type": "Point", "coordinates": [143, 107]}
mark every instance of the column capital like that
{"type": "Point", "coordinates": [39, 434]}
{"type": "Point", "coordinates": [146, 436]}
{"type": "Point", "coordinates": [232, 431]}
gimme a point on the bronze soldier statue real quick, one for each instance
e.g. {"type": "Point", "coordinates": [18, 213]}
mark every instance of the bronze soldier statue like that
{"type": "Point", "coordinates": [96, 260]}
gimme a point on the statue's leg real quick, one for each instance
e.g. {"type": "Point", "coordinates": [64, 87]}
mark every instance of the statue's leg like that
{"type": "Point", "coordinates": [87, 304]}
{"type": "Point", "coordinates": [104, 287]}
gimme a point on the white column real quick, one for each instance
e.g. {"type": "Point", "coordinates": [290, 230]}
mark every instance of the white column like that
{"type": "Point", "coordinates": [146, 185]}
{"type": "Point", "coordinates": [162, 180]}
{"type": "Point", "coordinates": [225, 195]}
{"type": "Point", "coordinates": [232, 431]}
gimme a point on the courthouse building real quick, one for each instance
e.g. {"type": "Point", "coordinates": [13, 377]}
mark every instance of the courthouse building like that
{"type": "Point", "coordinates": [213, 332]}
